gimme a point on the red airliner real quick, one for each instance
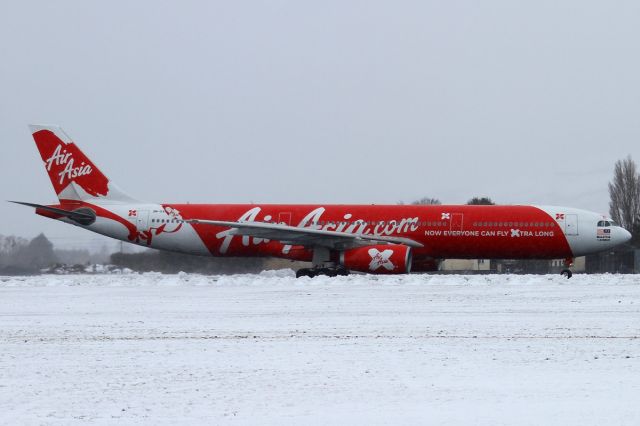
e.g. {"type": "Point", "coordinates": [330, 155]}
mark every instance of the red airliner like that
{"type": "Point", "coordinates": [378, 239]}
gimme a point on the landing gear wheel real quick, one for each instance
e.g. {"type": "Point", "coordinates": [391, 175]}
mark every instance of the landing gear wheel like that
{"type": "Point", "coordinates": [566, 273]}
{"type": "Point", "coordinates": [342, 271]}
{"type": "Point", "coordinates": [327, 271]}
{"type": "Point", "coordinates": [306, 272]}
{"type": "Point", "coordinates": [330, 272]}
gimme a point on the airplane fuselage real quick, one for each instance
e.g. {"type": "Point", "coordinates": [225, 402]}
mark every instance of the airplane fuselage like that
{"type": "Point", "coordinates": [445, 231]}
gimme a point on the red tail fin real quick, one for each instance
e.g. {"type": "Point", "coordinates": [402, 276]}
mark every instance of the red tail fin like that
{"type": "Point", "coordinates": [73, 175]}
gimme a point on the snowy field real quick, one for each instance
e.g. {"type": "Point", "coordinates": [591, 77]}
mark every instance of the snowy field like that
{"type": "Point", "coordinates": [270, 349]}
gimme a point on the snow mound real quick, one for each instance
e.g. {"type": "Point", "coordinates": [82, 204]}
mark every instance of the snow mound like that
{"type": "Point", "coordinates": [286, 277]}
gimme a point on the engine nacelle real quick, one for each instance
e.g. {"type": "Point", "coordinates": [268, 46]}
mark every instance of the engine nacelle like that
{"type": "Point", "coordinates": [378, 259]}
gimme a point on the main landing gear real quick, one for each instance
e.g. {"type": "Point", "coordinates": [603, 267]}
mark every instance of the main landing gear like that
{"type": "Point", "coordinates": [329, 271]}
{"type": "Point", "coordinates": [323, 264]}
{"type": "Point", "coordinates": [568, 262]}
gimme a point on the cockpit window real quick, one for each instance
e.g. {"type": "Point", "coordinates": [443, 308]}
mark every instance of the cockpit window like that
{"type": "Point", "coordinates": [606, 223]}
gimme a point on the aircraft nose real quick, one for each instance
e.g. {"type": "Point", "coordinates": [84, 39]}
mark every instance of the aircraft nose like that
{"type": "Point", "coordinates": [626, 235]}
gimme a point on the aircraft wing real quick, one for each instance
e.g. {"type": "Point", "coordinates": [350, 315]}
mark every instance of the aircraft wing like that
{"type": "Point", "coordinates": [307, 237]}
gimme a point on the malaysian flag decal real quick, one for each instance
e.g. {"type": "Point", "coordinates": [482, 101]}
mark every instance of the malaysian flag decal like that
{"type": "Point", "coordinates": [603, 234]}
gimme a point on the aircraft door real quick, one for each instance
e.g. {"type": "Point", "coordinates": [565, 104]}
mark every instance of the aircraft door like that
{"type": "Point", "coordinates": [140, 218]}
{"type": "Point", "coordinates": [571, 224]}
{"type": "Point", "coordinates": [456, 221]}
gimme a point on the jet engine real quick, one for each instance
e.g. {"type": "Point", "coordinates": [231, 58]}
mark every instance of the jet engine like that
{"type": "Point", "coordinates": [378, 259]}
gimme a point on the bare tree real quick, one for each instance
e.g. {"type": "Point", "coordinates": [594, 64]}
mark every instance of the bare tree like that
{"type": "Point", "coordinates": [427, 201]}
{"type": "Point", "coordinates": [624, 192]}
{"type": "Point", "coordinates": [480, 201]}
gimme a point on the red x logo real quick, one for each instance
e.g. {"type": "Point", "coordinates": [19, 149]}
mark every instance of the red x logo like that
{"type": "Point", "coordinates": [559, 216]}
{"type": "Point", "coordinates": [133, 212]}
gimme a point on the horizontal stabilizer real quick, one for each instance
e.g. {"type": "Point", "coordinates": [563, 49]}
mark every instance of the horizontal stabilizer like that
{"type": "Point", "coordinates": [83, 216]}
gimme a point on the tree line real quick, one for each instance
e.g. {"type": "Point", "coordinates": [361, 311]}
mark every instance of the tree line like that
{"type": "Point", "coordinates": [624, 194]}
{"type": "Point", "coordinates": [19, 256]}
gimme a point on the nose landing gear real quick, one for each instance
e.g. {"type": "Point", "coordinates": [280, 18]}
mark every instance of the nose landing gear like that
{"type": "Point", "coordinates": [568, 262]}
{"type": "Point", "coordinates": [566, 273]}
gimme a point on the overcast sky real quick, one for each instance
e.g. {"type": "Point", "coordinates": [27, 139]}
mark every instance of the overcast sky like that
{"type": "Point", "coordinates": [321, 102]}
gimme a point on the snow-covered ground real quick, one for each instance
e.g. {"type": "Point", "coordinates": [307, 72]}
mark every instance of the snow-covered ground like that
{"type": "Point", "coordinates": [256, 349]}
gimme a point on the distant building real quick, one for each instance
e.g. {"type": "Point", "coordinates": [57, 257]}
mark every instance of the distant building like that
{"type": "Point", "coordinates": [511, 266]}
{"type": "Point", "coordinates": [557, 265]}
{"type": "Point", "coordinates": [276, 263]}
{"type": "Point", "coordinates": [466, 265]}
{"type": "Point", "coordinates": [625, 260]}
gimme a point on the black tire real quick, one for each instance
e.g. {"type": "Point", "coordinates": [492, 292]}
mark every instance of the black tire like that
{"type": "Point", "coordinates": [331, 272]}
{"type": "Point", "coordinates": [566, 273]}
{"type": "Point", "coordinates": [342, 271]}
{"type": "Point", "coordinates": [304, 272]}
